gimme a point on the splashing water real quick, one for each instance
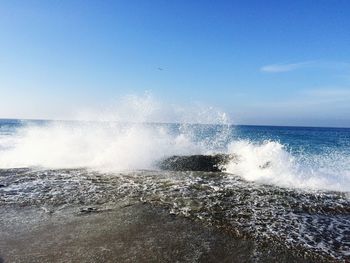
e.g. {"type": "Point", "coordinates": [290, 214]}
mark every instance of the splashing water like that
{"type": "Point", "coordinates": [133, 143]}
{"type": "Point", "coordinates": [271, 163]}
{"type": "Point", "coordinates": [101, 146]}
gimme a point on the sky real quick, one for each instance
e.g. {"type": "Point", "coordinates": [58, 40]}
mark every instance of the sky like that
{"type": "Point", "coordinates": [262, 62]}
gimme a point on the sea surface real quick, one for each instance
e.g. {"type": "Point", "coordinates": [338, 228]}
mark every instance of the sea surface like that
{"type": "Point", "coordinates": [298, 202]}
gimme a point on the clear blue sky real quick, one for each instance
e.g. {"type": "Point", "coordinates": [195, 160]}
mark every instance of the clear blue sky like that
{"type": "Point", "coordinates": [263, 62]}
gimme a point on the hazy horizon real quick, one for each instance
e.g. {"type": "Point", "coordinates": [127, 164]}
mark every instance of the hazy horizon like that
{"type": "Point", "coordinates": [232, 124]}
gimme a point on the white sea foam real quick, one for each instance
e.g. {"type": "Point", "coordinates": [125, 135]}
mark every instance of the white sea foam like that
{"type": "Point", "coordinates": [114, 138]}
{"type": "Point", "coordinates": [270, 163]}
{"type": "Point", "coordinates": [107, 146]}
{"type": "Point", "coordinates": [114, 147]}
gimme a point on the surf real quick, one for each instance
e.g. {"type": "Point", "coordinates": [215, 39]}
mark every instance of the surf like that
{"type": "Point", "coordinates": [126, 143]}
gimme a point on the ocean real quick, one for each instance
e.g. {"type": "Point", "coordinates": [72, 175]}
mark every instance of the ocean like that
{"type": "Point", "coordinates": [287, 189]}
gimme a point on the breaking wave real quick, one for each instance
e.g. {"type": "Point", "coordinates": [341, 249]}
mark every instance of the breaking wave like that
{"type": "Point", "coordinates": [107, 146]}
{"type": "Point", "coordinates": [270, 162]}
{"type": "Point", "coordinates": [135, 145]}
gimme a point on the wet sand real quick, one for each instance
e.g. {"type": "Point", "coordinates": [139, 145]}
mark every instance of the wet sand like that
{"type": "Point", "coordinates": [137, 233]}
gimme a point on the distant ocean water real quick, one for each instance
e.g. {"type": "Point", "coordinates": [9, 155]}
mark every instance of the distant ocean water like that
{"type": "Point", "coordinates": [300, 201]}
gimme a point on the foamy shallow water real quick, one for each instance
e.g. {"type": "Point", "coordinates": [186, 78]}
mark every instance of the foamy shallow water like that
{"type": "Point", "coordinates": [314, 225]}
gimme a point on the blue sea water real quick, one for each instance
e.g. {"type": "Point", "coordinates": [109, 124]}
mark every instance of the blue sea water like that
{"type": "Point", "coordinates": [315, 140]}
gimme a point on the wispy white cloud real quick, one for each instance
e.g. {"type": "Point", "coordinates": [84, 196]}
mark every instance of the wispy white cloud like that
{"type": "Point", "coordinates": [286, 67]}
{"type": "Point", "coordinates": [276, 68]}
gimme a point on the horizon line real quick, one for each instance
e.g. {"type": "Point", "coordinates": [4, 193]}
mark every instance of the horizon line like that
{"type": "Point", "coordinates": [153, 122]}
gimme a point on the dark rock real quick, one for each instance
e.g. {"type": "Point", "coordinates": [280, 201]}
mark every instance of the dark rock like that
{"type": "Point", "coordinates": [205, 163]}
